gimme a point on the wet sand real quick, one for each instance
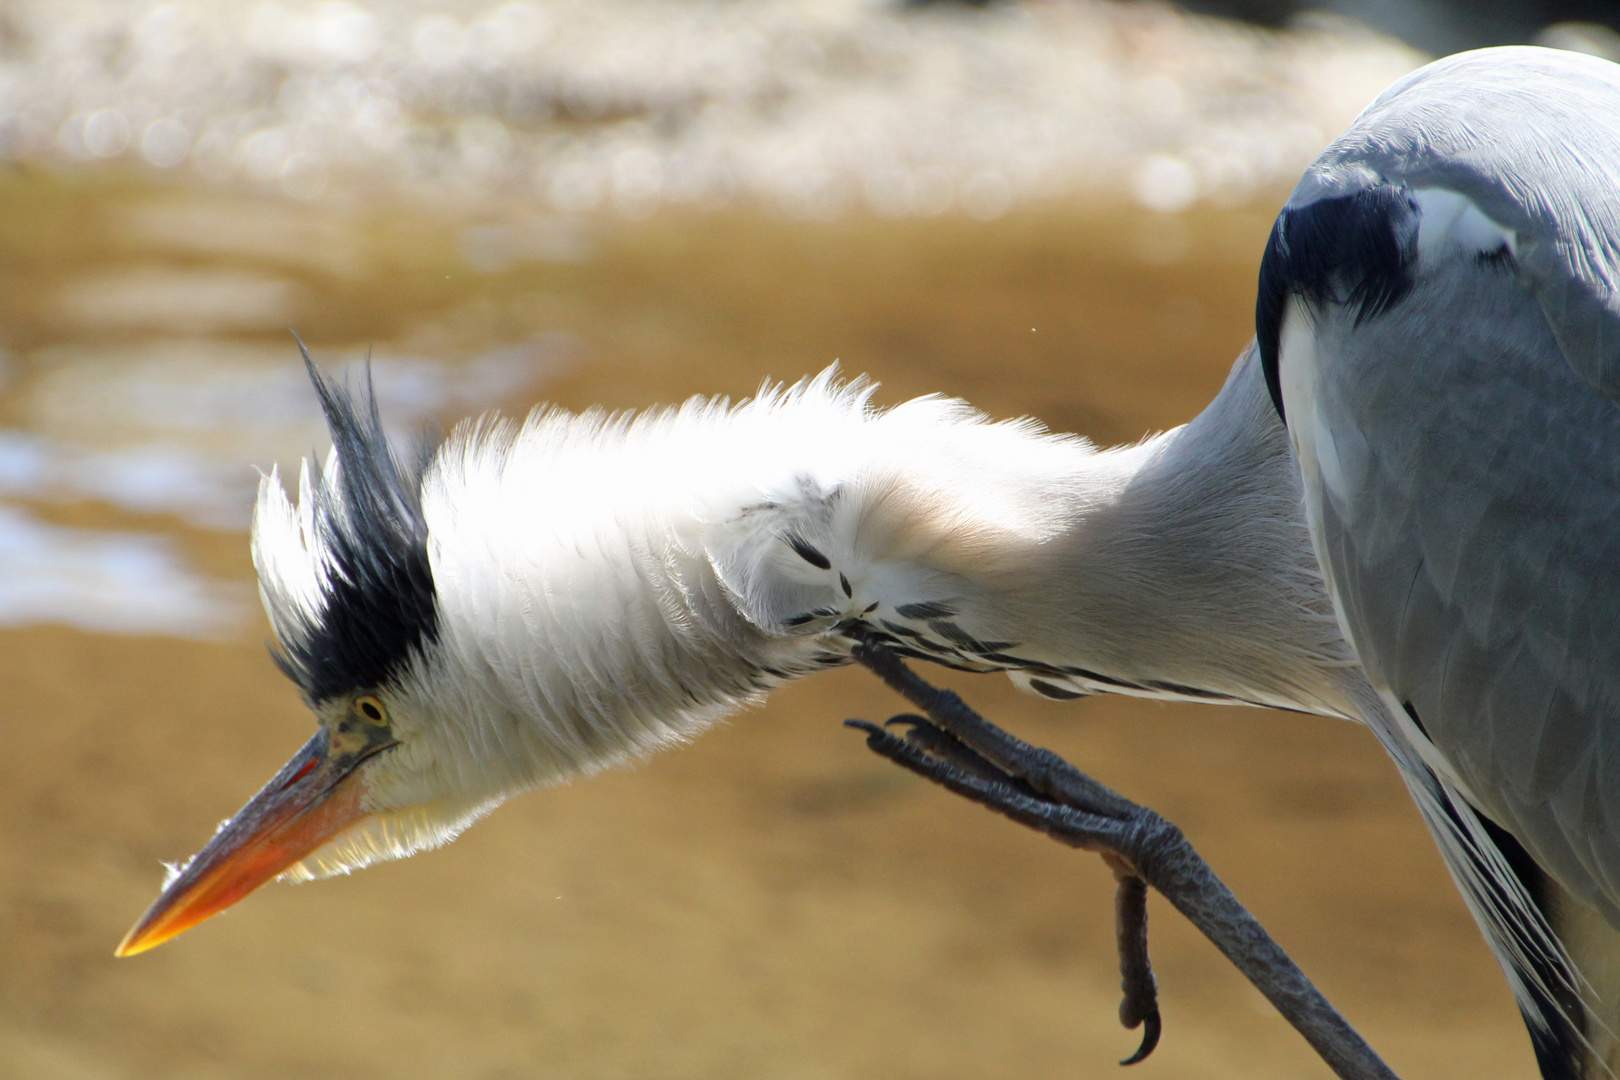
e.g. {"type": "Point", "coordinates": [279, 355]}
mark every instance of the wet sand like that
{"type": "Point", "coordinates": [771, 901]}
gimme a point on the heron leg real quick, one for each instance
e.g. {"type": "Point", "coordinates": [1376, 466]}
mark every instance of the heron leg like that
{"type": "Point", "coordinates": [1140, 1004]}
{"type": "Point", "coordinates": [958, 749]}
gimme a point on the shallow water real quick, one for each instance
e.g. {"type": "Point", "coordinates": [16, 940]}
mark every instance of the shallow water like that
{"type": "Point", "coordinates": [771, 902]}
{"type": "Point", "coordinates": [814, 107]}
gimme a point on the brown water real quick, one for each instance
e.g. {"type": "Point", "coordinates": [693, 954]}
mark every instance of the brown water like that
{"type": "Point", "coordinates": [771, 902]}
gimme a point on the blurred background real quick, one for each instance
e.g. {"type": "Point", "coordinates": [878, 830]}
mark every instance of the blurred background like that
{"type": "Point", "coordinates": [1050, 208]}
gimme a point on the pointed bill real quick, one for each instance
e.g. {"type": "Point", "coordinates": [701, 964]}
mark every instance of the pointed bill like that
{"type": "Point", "coordinates": [313, 798]}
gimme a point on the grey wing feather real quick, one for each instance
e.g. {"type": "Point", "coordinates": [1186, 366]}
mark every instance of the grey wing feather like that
{"type": "Point", "coordinates": [1532, 136]}
{"type": "Point", "coordinates": [1470, 519]}
{"type": "Point", "coordinates": [1473, 546]}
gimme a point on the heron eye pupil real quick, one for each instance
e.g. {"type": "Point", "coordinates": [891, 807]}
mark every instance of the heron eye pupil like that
{"type": "Point", "coordinates": [370, 710]}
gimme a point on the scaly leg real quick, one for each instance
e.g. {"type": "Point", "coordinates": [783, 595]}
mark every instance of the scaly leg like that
{"type": "Point", "coordinates": [961, 751]}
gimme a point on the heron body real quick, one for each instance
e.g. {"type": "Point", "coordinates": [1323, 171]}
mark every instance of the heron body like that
{"type": "Point", "coordinates": [1441, 328]}
{"type": "Point", "coordinates": [1423, 546]}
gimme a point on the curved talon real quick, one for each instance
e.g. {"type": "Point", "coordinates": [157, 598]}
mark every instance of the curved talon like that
{"type": "Point", "coordinates": [1150, 1037]}
{"type": "Point", "coordinates": [871, 729]}
{"type": "Point", "coordinates": [1140, 1005]}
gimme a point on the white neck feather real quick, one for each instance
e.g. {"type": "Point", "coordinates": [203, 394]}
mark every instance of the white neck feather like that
{"type": "Point", "coordinates": [609, 584]}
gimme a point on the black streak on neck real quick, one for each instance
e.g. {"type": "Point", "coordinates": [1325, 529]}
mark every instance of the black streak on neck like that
{"type": "Point", "coordinates": [1357, 250]}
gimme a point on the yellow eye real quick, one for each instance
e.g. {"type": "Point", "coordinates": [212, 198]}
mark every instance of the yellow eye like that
{"type": "Point", "coordinates": [371, 709]}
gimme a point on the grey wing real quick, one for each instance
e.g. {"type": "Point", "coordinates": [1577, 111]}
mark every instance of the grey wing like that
{"type": "Point", "coordinates": [1468, 515]}
{"type": "Point", "coordinates": [1452, 406]}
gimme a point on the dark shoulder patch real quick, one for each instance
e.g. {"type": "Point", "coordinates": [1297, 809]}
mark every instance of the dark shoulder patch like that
{"type": "Point", "coordinates": [379, 607]}
{"type": "Point", "coordinates": [1355, 250]}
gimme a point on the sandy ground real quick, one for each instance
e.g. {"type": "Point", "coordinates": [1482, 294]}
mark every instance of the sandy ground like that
{"type": "Point", "coordinates": [767, 903]}
{"type": "Point", "coordinates": [770, 902]}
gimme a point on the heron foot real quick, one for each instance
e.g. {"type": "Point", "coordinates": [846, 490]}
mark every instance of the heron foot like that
{"type": "Point", "coordinates": [961, 751]}
{"type": "Point", "coordinates": [944, 758]}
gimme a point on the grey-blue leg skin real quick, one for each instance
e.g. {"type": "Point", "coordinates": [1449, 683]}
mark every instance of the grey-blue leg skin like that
{"type": "Point", "coordinates": [1036, 788]}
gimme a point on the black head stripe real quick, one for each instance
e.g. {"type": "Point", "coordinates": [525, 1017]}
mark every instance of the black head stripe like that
{"type": "Point", "coordinates": [1355, 250]}
{"type": "Point", "coordinates": [379, 606]}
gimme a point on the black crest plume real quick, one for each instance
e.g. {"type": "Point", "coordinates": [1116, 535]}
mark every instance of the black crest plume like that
{"type": "Point", "coordinates": [378, 607]}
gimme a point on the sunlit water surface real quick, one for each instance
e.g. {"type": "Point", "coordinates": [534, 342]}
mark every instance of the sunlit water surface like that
{"type": "Point", "coordinates": [771, 902]}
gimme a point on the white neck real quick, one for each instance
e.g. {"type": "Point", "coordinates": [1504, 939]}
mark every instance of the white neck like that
{"type": "Point", "coordinates": [608, 585]}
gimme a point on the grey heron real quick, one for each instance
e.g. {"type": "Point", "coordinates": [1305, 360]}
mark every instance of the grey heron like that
{"type": "Point", "coordinates": [1427, 545]}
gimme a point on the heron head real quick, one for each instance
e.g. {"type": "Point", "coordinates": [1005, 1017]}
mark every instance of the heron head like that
{"type": "Point", "coordinates": [347, 583]}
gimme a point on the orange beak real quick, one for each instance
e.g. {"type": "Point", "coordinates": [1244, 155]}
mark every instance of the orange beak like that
{"type": "Point", "coordinates": [313, 798]}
